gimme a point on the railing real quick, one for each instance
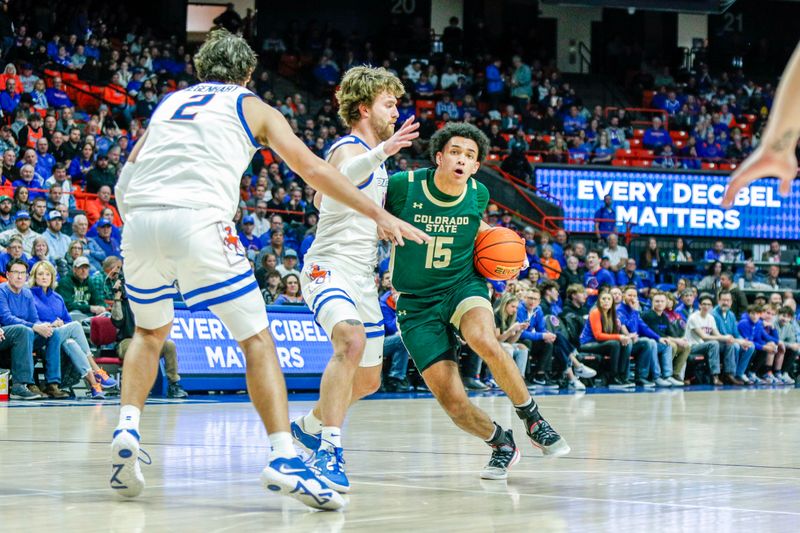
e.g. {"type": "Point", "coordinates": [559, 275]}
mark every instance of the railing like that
{"type": "Point", "coordinates": [542, 193]}
{"type": "Point", "coordinates": [524, 195]}
{"type": "Point", "coordinates": [629, 235]}
{"type": "Point", "coordinates": [520, 216]}
{"type": "Point", "coordinates": [641, 110]}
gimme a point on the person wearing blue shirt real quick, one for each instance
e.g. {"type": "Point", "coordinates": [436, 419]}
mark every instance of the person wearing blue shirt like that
{"type": "Point", "coordinates": [10, 98]}
{"type": "Point", "coordinates": [250, 242]}
{"type": "Point", "coordinates": [495, 84]}
{"type": "Point", "coordinates": [671, 105]}
{"type": "Point", "coordinates": [393, 347]}
{"type": "Point", "coordinates": [108, 244]}
{"type": "Point", "coordinates": [595, 277]}
{"type": "Point", "coordinates": [17, 308]}
{"type": "Point", "coordinates": [688, 303]}
{"type": "Point", "coordinates": [716, 252]}
{"type": "Point", "coordinates": [751, 327]}
{"type": "Point", "coordinates": [56, 97]}
{"type": "Point", "coordinates": [605, 219]}
{"type": "Point", "coordinates": [648, 347]}
{"type": "Point", "coordinates": [656, 137]}
{"type": "Point", "coordinates": [574, 122]}
{"type": "Point", "coordinates": [45, 161]}
{"type": "Point", "coordinates": [533, 259]}
{"type": "Point", "coordinates": [736, 355]}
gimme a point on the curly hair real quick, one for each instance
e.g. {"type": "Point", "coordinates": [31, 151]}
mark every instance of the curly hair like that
{"type": "Point", "coordinates": [225, 57]}
{"type": "Point", "coordinates": [459, 129]}
{"type": "Point", "coordinates": [362, 85]}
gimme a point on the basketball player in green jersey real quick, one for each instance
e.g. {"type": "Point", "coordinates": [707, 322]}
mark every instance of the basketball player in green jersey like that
{"type": "Point", "coordinates": [441, 295]}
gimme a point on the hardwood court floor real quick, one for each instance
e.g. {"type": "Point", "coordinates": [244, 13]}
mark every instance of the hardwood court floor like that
{"type": "Point", "coordinates": [666, 461]}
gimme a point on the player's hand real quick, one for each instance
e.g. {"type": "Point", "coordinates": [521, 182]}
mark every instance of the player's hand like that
{"type": "Point", "coordinates": [402, 137]}
{"type": "Point", "coordinates": [393, 229]}
{"type": "Point", "coordinates": [762, 163]}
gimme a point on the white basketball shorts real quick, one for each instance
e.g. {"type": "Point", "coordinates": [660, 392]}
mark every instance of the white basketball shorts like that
{"type": "Point", "coordinates": [335, 294]}
{"type": "Point", "coordinates": [200, 251]}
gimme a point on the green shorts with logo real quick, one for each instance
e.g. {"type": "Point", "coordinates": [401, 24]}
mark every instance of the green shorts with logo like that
{"type": "Point", "coordinates": [428, 324]}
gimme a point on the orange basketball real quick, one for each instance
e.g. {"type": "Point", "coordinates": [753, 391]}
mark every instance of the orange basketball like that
{"type": "Point", "coordinates": [499, 253]}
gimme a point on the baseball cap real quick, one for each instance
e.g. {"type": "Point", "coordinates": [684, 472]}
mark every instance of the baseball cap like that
{"type": "Point", "coordinates": [52, 215]}
{"type": "Point", "coordinates": [249, 219]}
{"type": "Point", "coordinates": [22, 214]}
{"type": "Point", "coordinates": [3, 198]}
{"type": "Point", "coordinates": [81, 262]}
{"type": "Point", "coordinates": [290, 253]}
{"type": "Point", "coordinates": [530, 243]}
{"type": "Point", "coordinates": [102, 223]}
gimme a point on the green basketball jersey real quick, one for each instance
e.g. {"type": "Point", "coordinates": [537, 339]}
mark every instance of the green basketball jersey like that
{"type": "Point", "coordinates": [451, 221]}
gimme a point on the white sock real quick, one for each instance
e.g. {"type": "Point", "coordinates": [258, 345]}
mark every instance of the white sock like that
{"type": "Point", "coordinates": [312, 424]}
{"type": "Point", "coordinates": [281, 445]}
{"type": "Point", "coordinates": [129, 417]}
{"type": "Point", "coordinates": [331, 437]}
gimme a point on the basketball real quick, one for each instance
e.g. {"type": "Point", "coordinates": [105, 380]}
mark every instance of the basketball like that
{"type": "Point", "coordinates": [499, 253]}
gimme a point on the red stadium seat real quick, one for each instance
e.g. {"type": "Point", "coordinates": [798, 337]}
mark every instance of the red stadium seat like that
{"type": "Point", "coordinates": [749, 118]}
{"type": "Point", "coordinates": [642, 152]}
{"type": "Point", "coordinates": [620, 163]}
{"type": "Point", "coordinates": [727, 166]}
{"type": "Point", "coordinates": [636, 142]}
{"type": "Point", "coordinates": [678, 143]}
{"type": "Point", "coordinates": [547, 138]}
{"type": "Point", "coordinates": [534, 158]}
{"type": "Point", "coordinates": [708, 166]}
{"type": "Point", "coordinates": [678, 135]}
{"type": "Point", "coordinates": [506, 136]}
{"type": "Point", "coordinates": [425, 104]}
{"type": "Point", "coordinates": [642, 163]}
{"type": "Point", "coordinates": [494, 157]}
{"type": "Point", "coordinates": [638, 133]}
{"type": "Point", "coordinates": [623, 153]}
{"type": "Point", "coordinates": [647, 98]}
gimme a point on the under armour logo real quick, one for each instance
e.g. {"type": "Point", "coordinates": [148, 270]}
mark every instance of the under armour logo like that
{"type": "Point", "coordinates": [417, 205]}
{"type": "Point", "coordinates": [401, 313]}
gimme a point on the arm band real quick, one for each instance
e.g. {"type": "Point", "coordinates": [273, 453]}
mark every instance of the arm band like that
{"type": "Point", "coordinates": [359, 168]}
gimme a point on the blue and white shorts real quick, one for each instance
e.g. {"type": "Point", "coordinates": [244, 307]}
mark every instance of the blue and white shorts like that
{"type": "Point", "coordinates": [197, 252]}
{"type": "Point", "coordinates": [336, 293]}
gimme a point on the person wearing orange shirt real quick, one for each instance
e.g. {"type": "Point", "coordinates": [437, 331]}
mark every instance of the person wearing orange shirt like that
{"type": "Point", "coordinates": [94, 208]}
{"type": "Point", "coordinates": [603, 335]}
{"type": "Point", "coordinates": [552, 268]}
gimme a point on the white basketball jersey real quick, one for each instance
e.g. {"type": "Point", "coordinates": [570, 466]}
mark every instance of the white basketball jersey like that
{"type": "Point", "coordinates": [197, 149]}
{"type": "Point", "coordinates": [344, 234]}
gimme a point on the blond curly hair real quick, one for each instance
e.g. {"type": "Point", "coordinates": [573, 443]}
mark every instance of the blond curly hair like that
{"type": "Point", "coordinates": [362, 85]}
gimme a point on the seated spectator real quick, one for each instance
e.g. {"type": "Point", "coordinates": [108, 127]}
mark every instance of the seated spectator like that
{"type": "Point", "coordinates": [550, 302]}
{"type": "Point", "coordinates": [57, 242]}
{"type": "Point", "coordinates": [616, 134]}
{"type": "Point", "coordinates": [773, 255]}
{"type": "Point", "coordinates": [288, 264]}
{"type": "Point", "coordinates": [617, 254]}
{"type": "Point", "coordinates": [751, 327]}
{"type": "Point", "coordinates": [518, 165]}
{"type": "Point", "coordinates": [656, 137]}
{"type": "Point", "coordinates": [508, 330]}
{"type": "Point", "coordinates": [736, 355]}
{"type": "Point", "coordinates": [79, 296]}
{"type": "Point", "coordinates": [6, 219]}
{"type": "Point", "coordinates": [774, 348]}
{"type": "Point", "coordinates": [716, 252]}
{"type": "Point", "coordinates": [628, 276]}
{"type": "Point", "coordinates": [738, 299]}
{"type": "Point", "coordinates": [603, 335]}
{"type": "Point", "coordinates": [41, 252]}
{"type": "Point", "coordinates": [273, 285]}
{"type": "Point", "coordinates": [291, 291]}
{"type": "Point", "coordinates": [571, 275]}
{"type": "Point", "coordinates": [105, 241]}
{"type": "Point", "coordinates": [710, 148]}
{"type": "Point", "coordinates": [704, 337]}
{"type": "Point", "coordinates": [652, 259]}
{"type": "Point", "coordinates": [94, 208]}
{"type": "Point", "coordinates": [603, 153]}
{"type": "Point", "coordinates": [446, 105]}
{"type": "Point", "coordinates": [17, 308]}
{"type": "Point", "coordinates": [56, 97]}
{"type": "Point", "coordinates": [123, 319]}
{"type": "Point", "coordinates": [789, 333]}
{"type": "Point", "coordinates": [773, 279]}
{"type": "Point", "coordinates": [10, 98]}
{"type": "Point", "coordinates": [13, 251]}
{"type": "Point", "coordinates": [657, 320]}
{"type": "Point", "coordinates": [688, 303]}
{"type": "Point", "coordinates": [750, 279]}
{"type": "Point", "coordinates": [596, 277]}
{"type": "Point", "coordinates": [666, 158]}
{"type": "Point", "coordinates": [575, 313]}
{"type": "Point", "coordinates": [648, 349]}
{"type": "Point", "coordinates": [393, 348]}
{"type": "Point", "coordinates": [93, 252]}
{"type": "Point", "coordinates": [22, 229]}
{"type": "Point", "coordinates": [100, 175]}
{"type": "Point", "coordinates": [67, 335]}
{"type": "Point", "coordinates": [574, 121]}
{"type": "Point", "coordinates": [710, 283]}
{"type": "Point", "coordinates": [103, 282]}
{"type": "Point", "coordinates": [29, 180]}
{"type": "Point", "coordinates": [250, 242]}
{"type": "Point", "coordinates": [423, 88]}
{"type": "Point", "coordinates": [551, 266]}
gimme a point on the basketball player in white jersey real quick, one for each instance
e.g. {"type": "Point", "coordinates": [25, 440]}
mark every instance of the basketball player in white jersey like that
{"type": "Point", "coordinates": [178, 194]}
{"type": "Point", "coordinates": [338, 279]}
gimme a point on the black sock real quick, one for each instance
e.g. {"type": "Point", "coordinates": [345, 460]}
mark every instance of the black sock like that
{"type": "Point", "coordinates": [528, 411]}
{"type": "Point", "coordinates": [497, 435]}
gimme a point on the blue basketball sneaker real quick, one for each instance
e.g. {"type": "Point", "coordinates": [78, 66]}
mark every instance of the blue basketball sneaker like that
{"type": "Point", "coordinates": [291, 477]}
{"type": "Point", "coordinates": [329, 466]}
{"type": "Point", "coordinates": [307, 441]}
{"type": "Point", "coordinates": [126, 474]}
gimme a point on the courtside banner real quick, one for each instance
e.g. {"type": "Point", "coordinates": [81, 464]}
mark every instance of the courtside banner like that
{"type": "Point", "coordinates": [662, 202]}
{"type": "Point", "coordinates": [205, 346]}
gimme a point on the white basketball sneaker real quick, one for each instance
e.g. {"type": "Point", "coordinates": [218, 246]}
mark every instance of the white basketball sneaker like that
{"type": "Point", "coordinates": [126, 474]}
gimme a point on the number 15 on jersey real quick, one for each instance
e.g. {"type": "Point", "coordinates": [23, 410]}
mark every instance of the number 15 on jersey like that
{"type": "Point", "coordinates": [438, 256]}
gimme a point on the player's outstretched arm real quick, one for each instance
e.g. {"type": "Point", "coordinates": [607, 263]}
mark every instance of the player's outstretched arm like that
{"type": "Point", "coordinates": [270, 127]}
{"type": "Point", "coordinates": [775, 156]}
